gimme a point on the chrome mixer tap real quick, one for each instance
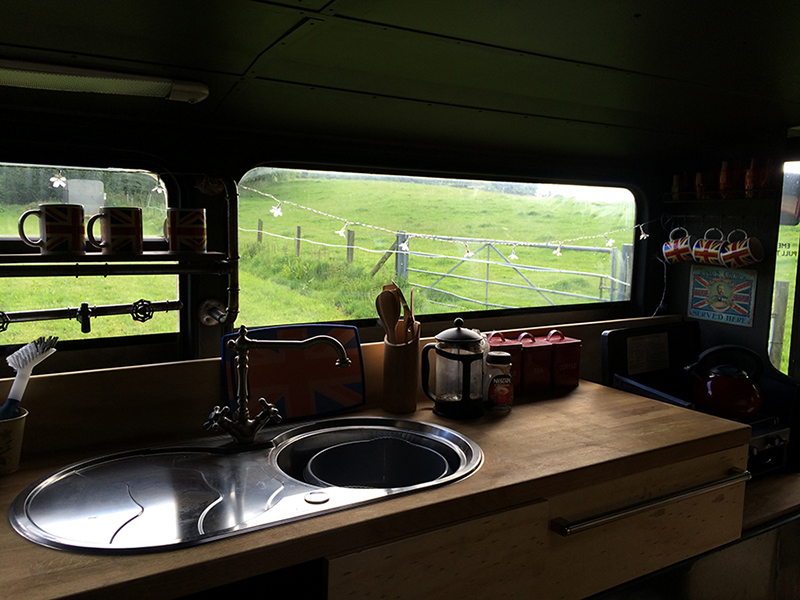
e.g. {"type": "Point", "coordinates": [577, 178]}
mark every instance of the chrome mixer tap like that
{"type": "Point", "coordinates": [242, 428]}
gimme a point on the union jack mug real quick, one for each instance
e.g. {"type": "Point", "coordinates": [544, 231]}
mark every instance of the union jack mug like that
{"type": "Point", "coordinates": [743, 252]}
{"type": "Point", "coordinates": [707, 251]}
{"type": "Point", "coordinates": [185, 229]}
{"type": "Point", "coordinates": [120, 230]}
{"type": "Point", "coordinates": [679, 247]}
{"type": "Point", "coordinates": [61, 228]}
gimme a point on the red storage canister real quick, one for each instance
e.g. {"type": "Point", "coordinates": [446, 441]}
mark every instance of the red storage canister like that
{"type": "Point", "coordinates": [566, 359]}
{"type": "Point", "coordinates": [498, 342]}
{"type": "Point", "coordinates": [537, 363]}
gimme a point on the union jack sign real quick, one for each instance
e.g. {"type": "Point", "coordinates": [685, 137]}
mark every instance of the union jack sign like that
{"type": "Point", "coordinates": [722, 295]}
{"type": "Point", "coordinates": [301, 382]}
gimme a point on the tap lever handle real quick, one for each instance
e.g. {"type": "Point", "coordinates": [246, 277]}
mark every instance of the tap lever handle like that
{"type": "Point", "coordinates": [214, 418]}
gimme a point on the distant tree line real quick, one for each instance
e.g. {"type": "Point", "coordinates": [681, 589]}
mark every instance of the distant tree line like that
{"type": "Point", "coordinates": [272, 175]}
{"type": "Point", "coordinates": [23, 185]}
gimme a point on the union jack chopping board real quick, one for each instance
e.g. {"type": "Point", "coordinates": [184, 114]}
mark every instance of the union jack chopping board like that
{"type": "Point", "coordinates": [301, 382]}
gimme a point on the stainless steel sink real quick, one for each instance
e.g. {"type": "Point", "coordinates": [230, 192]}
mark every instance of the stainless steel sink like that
{"type": "Point", "coordinates": [161, 499]}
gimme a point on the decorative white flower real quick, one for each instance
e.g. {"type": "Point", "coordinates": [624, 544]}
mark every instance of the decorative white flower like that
{"type": "Point", "coordinates": [513, 255]}
{"type": "Point", "coordinates": [342, 231]}
{"type": "Point", "coordinates": [58, 180]}
{"type": "Point", "coordinates": [609, 241]}
{"type": "Point", "coordinates": [159, 189]}
{"type": "Point", "coordinates": [403, 246]}
{"type": "Point", "coordinates": [469, 253]}
{"type": "Point", "coordinates": [642, 234]}
{"type": "Point", "coordinates": [276, 211]}
{"type": "Point", "coordinates": [557, 251]}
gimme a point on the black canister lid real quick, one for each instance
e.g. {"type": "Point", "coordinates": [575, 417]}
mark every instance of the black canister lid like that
{"type": "Point", "coordinates": [459, 334]}
{"type": "Point", "coordinates": [497, 357]}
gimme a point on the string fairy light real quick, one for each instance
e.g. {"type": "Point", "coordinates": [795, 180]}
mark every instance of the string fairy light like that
{"type": "Point", "coordinates": [558, 245]}
{"type": "Point", "coordinates": [159, 188]}
{"type": "Point", "coordinates": [58, 180]}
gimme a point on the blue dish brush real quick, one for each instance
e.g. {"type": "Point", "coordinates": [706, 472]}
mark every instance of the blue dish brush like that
{"type": "Point", "coordinates": [23, 361]}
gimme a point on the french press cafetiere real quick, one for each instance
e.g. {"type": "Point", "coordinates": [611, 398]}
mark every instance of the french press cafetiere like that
{"type": "Point", "coordinates": [459, 372]}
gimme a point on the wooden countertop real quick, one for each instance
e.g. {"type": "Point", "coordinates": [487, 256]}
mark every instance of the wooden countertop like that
{"type": "Point", "coordinates": [541, 448]}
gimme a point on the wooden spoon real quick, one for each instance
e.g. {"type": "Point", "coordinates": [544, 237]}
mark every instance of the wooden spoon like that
{"type": "Point", "coordinates": [389, 311]}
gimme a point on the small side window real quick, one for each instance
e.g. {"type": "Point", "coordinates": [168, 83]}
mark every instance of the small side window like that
{"type": "Point", "coordinates": [26, 291]}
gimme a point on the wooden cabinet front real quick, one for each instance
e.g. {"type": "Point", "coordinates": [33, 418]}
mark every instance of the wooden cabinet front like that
{"type": "Point", "coordinates": [498, 555]}
{"type": "Point", "coordinates": [568, 546]}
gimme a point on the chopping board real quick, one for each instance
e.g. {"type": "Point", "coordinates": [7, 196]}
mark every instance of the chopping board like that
{"type": "Point", "coordinates": [302, 382]}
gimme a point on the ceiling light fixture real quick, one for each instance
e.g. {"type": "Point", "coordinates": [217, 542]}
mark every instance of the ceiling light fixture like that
{"type": "Point", "coordinates": [68, 79]}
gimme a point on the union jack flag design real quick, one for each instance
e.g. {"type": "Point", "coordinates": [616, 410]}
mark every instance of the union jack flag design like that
{"type": "Point", "coordinates": [186, 230]}
{"type": "Point", "coordinates": [677, 251]}
{"type": "Point", "coordinates": [720, 294]}
{"type": "Point", "coordinates": [125, 230]}
{"type": "Point", "coordinates": [63, 228]}
{"type": "Point", "coordinates": [742, 253]}
{"type": "Point", "coordinates": [301, 382]}
{"type": "Point", "coordinates": [708, 252]}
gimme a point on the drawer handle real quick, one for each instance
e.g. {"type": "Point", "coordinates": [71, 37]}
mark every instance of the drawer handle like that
{"type": "Point", "coordinates": [563, 527]}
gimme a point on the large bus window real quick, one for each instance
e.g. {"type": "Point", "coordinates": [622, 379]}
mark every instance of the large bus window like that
{"type": "Point", "coordinates": [24, 187]}
{"type": "Point", "coordinates": [319, 246]}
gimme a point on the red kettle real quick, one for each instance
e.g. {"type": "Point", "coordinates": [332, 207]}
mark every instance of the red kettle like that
{"type": "Point", "coordinates": [724, 381]}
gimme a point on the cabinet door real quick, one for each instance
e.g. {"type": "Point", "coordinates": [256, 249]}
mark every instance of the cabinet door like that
{"type": "Point", "coordinates": [499, 555]}
{"type": "Point", "coordinates": [611, 532]}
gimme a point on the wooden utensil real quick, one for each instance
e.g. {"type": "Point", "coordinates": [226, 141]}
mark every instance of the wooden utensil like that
{"type": "Point", "coordinates": [388, 307]}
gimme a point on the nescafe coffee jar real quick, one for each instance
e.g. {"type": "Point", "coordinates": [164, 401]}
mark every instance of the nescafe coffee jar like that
{"type": "Point", "coordinates": [499, 388]}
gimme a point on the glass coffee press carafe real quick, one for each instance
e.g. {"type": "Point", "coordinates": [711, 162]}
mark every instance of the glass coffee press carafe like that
{"type": "Point", "coordinates": [459, 372]}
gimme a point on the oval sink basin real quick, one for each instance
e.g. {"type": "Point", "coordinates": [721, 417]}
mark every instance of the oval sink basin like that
{"type": "Point", "coordinates": [370, 452]}
{"type": "Point", "coordinates": [159, 499]}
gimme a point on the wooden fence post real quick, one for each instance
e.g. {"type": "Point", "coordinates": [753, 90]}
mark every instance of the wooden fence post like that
{"type": "Point", "coordinates": [615, 274]}
{"type": "Point", "coordinates": [780, 303]}
{"type": "Point", "coordinates": [297, 242]}
{"type": "Point", "coordinates": [383, 259]}
{"type": "Point", "coordinates": [351, 240]}
{"type": "Point", "coordinates": [260, 229]}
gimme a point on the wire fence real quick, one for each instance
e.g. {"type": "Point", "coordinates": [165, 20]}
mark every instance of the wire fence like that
{"type": "Point", "coordinates": [611, 286]}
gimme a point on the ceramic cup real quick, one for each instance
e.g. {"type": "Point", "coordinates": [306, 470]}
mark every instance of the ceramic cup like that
{"type": "Point", "coordinates": [679, 247]}
{"type": "Point", "coordinates": [708, 251]}
{"type": "Point", "coordinates": [61, 228]}
{"type": "Point", "coordinates": [742, 252]}
{"type": "Point", "coordinates": [11, 431]}
{"type": "Point", "coordinates": [120, 230]}
{"type": "Point", "coordinates": [185, 229]}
